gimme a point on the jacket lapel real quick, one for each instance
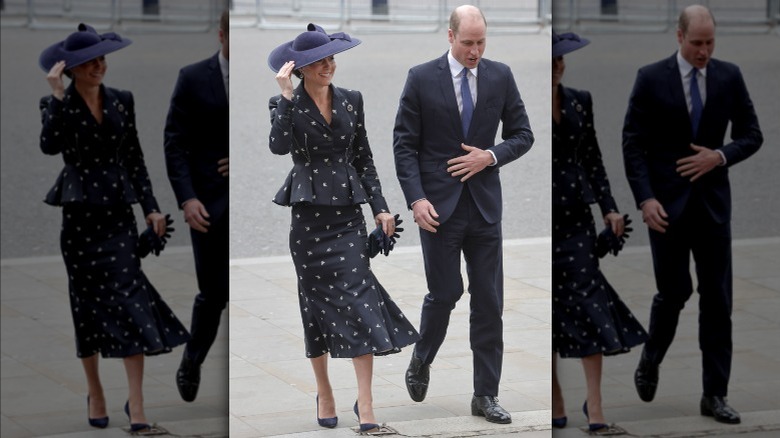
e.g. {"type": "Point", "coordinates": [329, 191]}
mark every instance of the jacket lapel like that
{"type": "Point", "coordinates": [676, 88]}
{"type": "Point", "coordinates": [305, 103]}
{"type": "Point", "coordinates": [216, 82]}
{"type": "Point", "coordinates": [448, 93]}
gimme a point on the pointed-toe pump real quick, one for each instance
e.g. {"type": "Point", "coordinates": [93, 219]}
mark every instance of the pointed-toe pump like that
{"type": "Point", "coordinates": [559, 423]}
{"type": "Point", "coordinates": [100, 423]}
{"type": "Point", "coordinates": [592, 426]}
{"type": "Point", "coordinates": [135, 427]}
{"type": "Point", "coordinates": [364, 427]}
{"type": "Point", "coordinates": [325, 422]}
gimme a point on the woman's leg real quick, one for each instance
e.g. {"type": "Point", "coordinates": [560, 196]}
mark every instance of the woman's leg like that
{"type": "Point", "coordinates": [558, 408]}
{"type": "Point", "coordinates": [97, 401]}
{"type": "Point", "coordinates": [364, 370]}
{"type": "Point", "coordinates": [326, 401]}
{"type": "Point", "coordinates": [592, 366]}
{"type": "Point", "coordinates": [134, 367]}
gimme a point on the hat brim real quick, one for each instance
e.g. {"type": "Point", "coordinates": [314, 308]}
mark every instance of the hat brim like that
{"type": "Point", "coordinates": [284, 53]}
{"type": "Point", "coordinates": [56, 53]}
{"type": "Point", "coordinates": [563, 47]}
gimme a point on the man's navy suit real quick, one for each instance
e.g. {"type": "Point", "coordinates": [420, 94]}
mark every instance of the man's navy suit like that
{"type": "Point", "coordinates": [196, 138]}
{"type": "Point", "coordinates": [427, 134]}
{"type": "Point", "coordinates": [656, 134]}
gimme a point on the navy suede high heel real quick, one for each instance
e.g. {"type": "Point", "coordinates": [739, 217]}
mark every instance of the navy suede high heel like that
{"type": "Point", "coordinates": [325, 422]}
{"type": "Point", "coordinates": [559, 423]}
{"type": "Point", "coordinates": [364, 427]}
{"type": "Point", "coordinates": [592, 426]}
{"type": "Point", "coordinates": [100, 423]}
{"type": "Point", "coordinates": [135, 427]}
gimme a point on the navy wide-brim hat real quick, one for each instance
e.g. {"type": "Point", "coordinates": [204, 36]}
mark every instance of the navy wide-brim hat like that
{"type": "Point", "coordinates": [81, 47]}
{"type": "Point", "coordinates": [309, 47]}
{"type": "Point", "coordinates": [566, 43]}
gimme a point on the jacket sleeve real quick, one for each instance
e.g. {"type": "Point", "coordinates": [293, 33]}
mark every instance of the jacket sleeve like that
{"type": "Point", "coordinates": [134, 161]}
{"type": "Point", "coordinates": [516, 129]}
{"type": "Point", "coordinates": [52, 130]}
{"type": "Point", "coordinates": [280, 139]}
{"type": "Point", "coordinates": [592, 161]}
{"type": "Point", "coordinates": [177, 140]}
{"type": "Point", "coordinates": [635, 133]}
{"type": "Point", "coordinates": [745, 133]}
{"type": "Point", "coordinates": [364, 163]}
{"type": "Point", "coordinates": [406, 141]}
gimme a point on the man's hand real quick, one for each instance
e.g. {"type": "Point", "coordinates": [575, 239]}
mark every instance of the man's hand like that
{"type": "Point", "coordinates": [195, 215]}
{"type": "Point", "coordinates": [223, 166]}
{"type": "Point", "coordinates": [425, 215]}
{"type": "Point", "coordinates": [697, 165]}
{"type": "Point", "coordinates": [654, 215]}
{"type": "Point", "coordinates": [470, 164]}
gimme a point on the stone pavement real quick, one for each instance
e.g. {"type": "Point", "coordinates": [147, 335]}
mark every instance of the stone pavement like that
{"type": "Point", "coordinates": [43, 384]}
{"type": "Point", "coordinates": [271, 387]}
{"type": "Point", "coordinates": [755, 381]}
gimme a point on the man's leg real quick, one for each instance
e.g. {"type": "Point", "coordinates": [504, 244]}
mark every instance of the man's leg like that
{"type": "Point", "coordinates": [712, 254]}
{"type": "Point", "coordinates": [211, 267]}
{"type": "Point", "coordinates": [441, 255]}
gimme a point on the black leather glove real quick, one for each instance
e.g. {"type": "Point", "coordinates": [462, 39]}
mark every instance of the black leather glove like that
{"type": "Point", "coordinates": [378, 241]}
{"type": "Point", "coordinates": [608, 242]}
{"type": "Point", "coordinates": [150, 242]}
{"type": "Point", "coordinates": [391, 240]}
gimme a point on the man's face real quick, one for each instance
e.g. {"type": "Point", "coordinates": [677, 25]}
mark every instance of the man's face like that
{"type": "Point", "coordinates": [697, 45]}
{"type": "Point", "coordinates": [468, 44]}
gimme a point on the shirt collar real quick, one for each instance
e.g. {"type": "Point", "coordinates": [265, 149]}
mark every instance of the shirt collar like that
{"type": "Point", "coordinates": [456, 69]}
{"type": "Point", "coordinates": [224, 64]}
{"type": "Point", "coordinates": [686, 67]}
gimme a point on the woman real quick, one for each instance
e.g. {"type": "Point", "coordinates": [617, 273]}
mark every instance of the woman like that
{"type": "Point", "coordinates": [344, 309]}
{"type": "Point", "coordinates": [116, 311]}
{"type": "Point", "coordinates": [589, 319]}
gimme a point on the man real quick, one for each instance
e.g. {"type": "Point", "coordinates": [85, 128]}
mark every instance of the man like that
{"type": "Point", "coordinates": [677, 166]}
{"type": "Point", "coordinates": [448, 168]}
{"type": "Point", "coordinates": [196, 155]}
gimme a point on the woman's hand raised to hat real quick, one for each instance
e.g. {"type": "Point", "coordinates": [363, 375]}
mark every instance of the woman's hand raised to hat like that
{"type": "Point", "coordinates": [283, 78]}
{"type": "Point", "coordinates": [55, 80]}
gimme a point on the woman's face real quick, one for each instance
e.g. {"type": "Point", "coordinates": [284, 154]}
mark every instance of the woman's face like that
{"type": "Point", "coordinates": [558, 67]}
{"type": "Point", "coordinates": [91, 72]}
{"type": "Point", "coordinates": [320, 72]}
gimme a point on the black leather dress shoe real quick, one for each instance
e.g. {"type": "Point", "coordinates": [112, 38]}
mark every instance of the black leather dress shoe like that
{"type": "Point", "coordinates": [718, 408]}
{"type": "Point", "coordinates": [646, 380]}
{"type": "Point", "coordinates": [188, 379]}
{"type": "Point", "coordinates": [487, 406]}
{"type": "Point", "coordinates": [417, 378]}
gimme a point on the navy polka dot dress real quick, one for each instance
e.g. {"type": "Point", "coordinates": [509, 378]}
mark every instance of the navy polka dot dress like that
{"type": "Point", "coordinates": [588, 315]}
{"type": "Point", "coordinates": [344, 309]}
{"type": "Point", "coordinates": [116, 310]}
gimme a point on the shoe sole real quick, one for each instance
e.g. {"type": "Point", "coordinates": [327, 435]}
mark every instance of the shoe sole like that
{"type": "Point", "coordinates": [706, 413]}
{"type": "Point", "coordinates": [478, 413]}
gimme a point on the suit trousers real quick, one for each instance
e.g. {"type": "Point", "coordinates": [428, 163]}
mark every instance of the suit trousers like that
{"type": "Point", "coordinates": [696, 233]}
{"type": "Point", "coordinates": [211, 266]}
{"type": "Point", "coordinates": [467, 232]}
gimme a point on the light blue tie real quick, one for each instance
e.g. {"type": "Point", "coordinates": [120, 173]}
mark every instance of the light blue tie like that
{"type": "Point", "coordinates": [468, 103]}
{"type": "Point", "coordinates": [696, 104]}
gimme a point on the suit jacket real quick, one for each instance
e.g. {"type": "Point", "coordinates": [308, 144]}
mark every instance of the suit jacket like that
{"type": "Point", "coordinates": [104, 163]}
{"type": "Point", "coordinates": [428, 133]}
{"type": "Point", "coordinates": [197, 136]}
{"type": "Point", "coordinates": [578, 171]}
{"type": "Point", "coordinates": [657, 132]}
{"type": "Point", "coordinates": [332, 163]}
